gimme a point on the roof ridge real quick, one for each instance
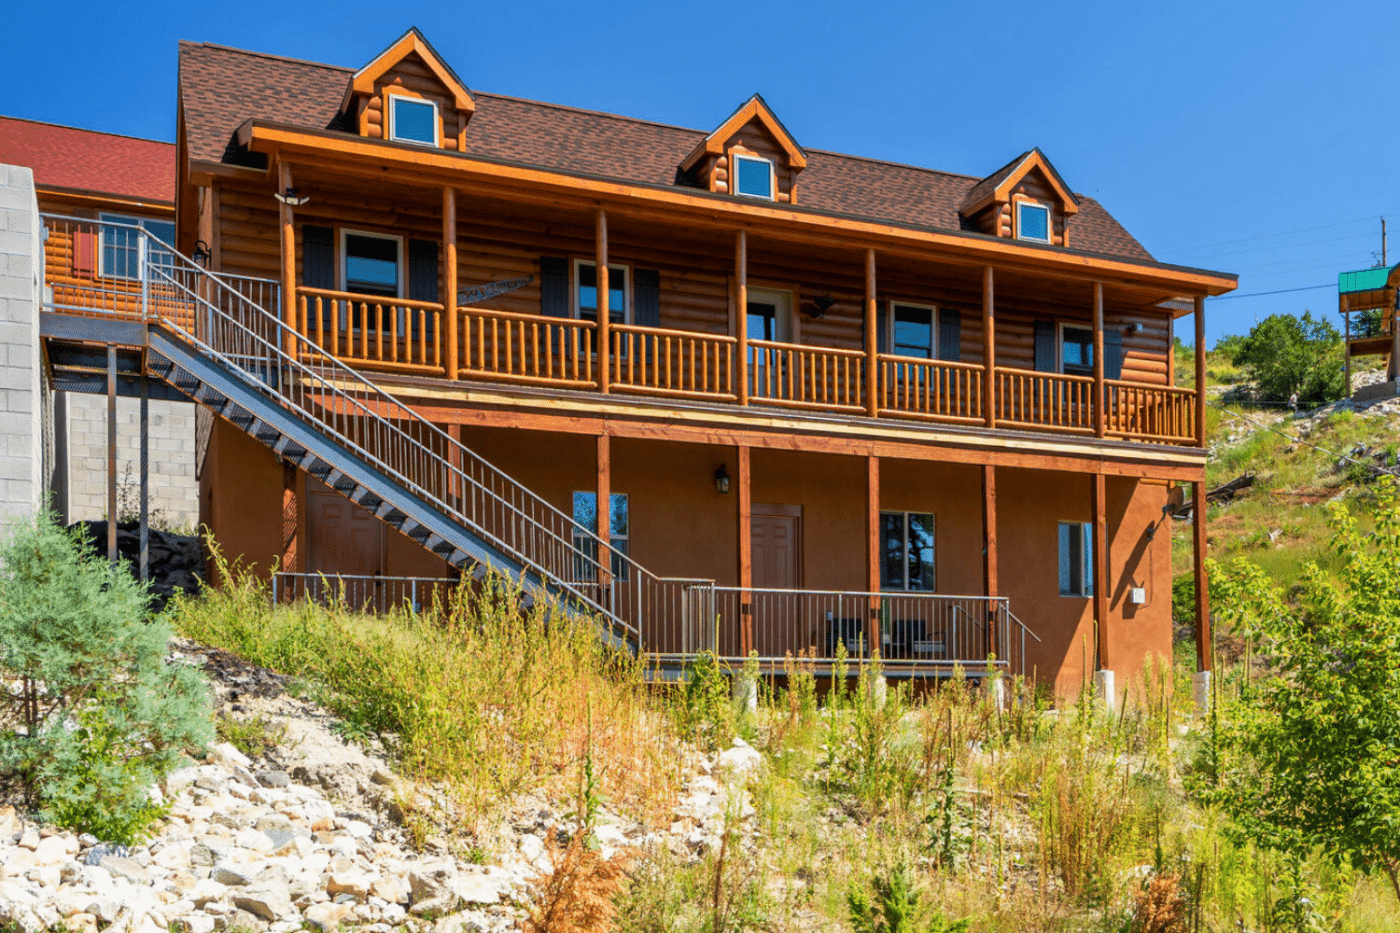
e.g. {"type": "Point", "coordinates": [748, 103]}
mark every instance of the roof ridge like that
{"type": "Point", "coordinates": [267, 55]}
{"type": "Point", "coordinates": [83, 129]}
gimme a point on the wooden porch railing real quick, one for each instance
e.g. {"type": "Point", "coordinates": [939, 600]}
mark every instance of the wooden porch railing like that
{"type": "Point", "coordinates": [1165, 414]}
{"type": "Point", "coordinates": [369, 332]}
{"type": "Point", "coordinates": [1026, 398]}
{"type": "Point", "coordinates": [802, 376]}
{"type": "Point", "coordinates": [680, 363]}
{"type": "Point", "coordinates": [527, 348]}
{"type": "Point", "coordinates": [939, 390]}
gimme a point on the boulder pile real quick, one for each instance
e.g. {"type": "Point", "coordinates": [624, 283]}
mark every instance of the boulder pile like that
{"type": "Point", "coordinates": [175, 561]}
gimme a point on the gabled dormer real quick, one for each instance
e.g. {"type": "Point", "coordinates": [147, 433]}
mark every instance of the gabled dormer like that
{"type": "Point", "coordinates": [749, 155]}
{"type": "Point", "coordinates": [407, 94]}
{"type": "Point", "coordinates": [1026, 199]}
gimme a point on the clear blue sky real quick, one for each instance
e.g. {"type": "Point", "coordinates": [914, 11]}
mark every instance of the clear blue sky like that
{"type": "Point", "coordinates": [1245, 137]}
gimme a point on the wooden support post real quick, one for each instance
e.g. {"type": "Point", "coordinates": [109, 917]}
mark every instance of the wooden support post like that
{"type": "Point", "coordinates": [603, 525]}
{"type": "Point", "coordinates": [289, 259]}
{"type": "Point", "coordinates": [745, 500]}
{"type": "Point", "coordinates": [989, 553]}
{"type": "Point", "coordinates": [741, 310]}
{"type": "Point", "coordinates": [872, 549]}
{"type": "Point", "coordinates": [1394, 311]}
{"type": "Point", "coordinates": [1200, 371]}
{"type": "Point", "coordinates": [1100, 420]}
{"type": "Point", "coordinates": [449, 296]}
{"type": "Point", "coordinates": [1101, 584]}
{"type": "Point", "coordinates": [1204, 655]}
{"type": "Point", "coordinates": [291, 520]}
{"type": "Point", "coordinates": [144, 525]}
{"type": "Point", "coordinates": [604, 314]}
{"type": "Point", "coordinates": [989, 350]}
{"type": "Point", "coordinates": [112, 453]}
{"type": "Point", "coordinates": [872, 340]}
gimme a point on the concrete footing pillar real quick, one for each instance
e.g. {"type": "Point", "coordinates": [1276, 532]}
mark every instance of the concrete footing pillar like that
{"type": "Point", "coordinates": [1200, 691]}
{"type": "Point", "coordinates": [996, 690]}
{"type": "Point", "coordinates": [745, 686]}
{"type": "Point", "coordinates": [1105, 691]}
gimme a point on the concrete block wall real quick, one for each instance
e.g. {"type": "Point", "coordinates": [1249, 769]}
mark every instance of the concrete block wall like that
{"type": "Point", "coordinates": [22, 396]}
{"type": "Point", "coordinates": [81, 429]}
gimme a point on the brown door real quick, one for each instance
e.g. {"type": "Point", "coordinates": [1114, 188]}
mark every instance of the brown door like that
{"type": "Point", "coordinates": [344, 539]}
{"type": "Point", "coordinates": [780, 622]}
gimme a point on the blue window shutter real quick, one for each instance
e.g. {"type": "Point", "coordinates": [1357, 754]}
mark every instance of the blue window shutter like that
{"type": "Point", "coordinates": [423, 270]}
{"type": "Point", "coordinates": [317, 257]}
{"type": "Point", "coordinates": [1045, 361]}
{"type": "Point", "coordinates": [1112, 353]}
{"type": "Point", "coordinates": [949, 334]}
{"type": "Point", "coordinates": [882, 328]}
{"type": "Point", "coordinates": [646, 298]}
{"type": "Point", "coordinates": [554, 286]}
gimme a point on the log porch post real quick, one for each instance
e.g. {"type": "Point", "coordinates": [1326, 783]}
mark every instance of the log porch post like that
{"type": "Point", "coordinates": [1204, 654]}
{"type": "Point", "coordinates": [1346, 345]}
{"type": "Point", "coordinates": [1200, 371]}
{"type": "Point", "coordinates": [745, 503]}
{"type": "Point", "coordinates": [449, 254]}
{"type": "Point", "coordinates": [1100, 402]}
{"type": "Point", "coordinates": [989, 549]}
{"type": "Point", "coordinates": [604, 315]}
{"type": "Point", "coordinates": [1394, 311]}
{"type": "Point", "coordinates": [872, 550]}
{"type": "Point", "coordinates": [289, 258]}
{"type": "Point", "coordinates": [741, 312]}
{"type": "Point", "coordinates": [872, 341]}
{"type": "Point", "coordinates": [112, 453]}
{"type": "Point", "coordinates": [1100, 571]}
{"type": "Point", "coordinates": [989, 350]}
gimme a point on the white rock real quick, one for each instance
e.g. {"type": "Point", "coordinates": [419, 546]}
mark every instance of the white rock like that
{"type": "Point", "coordinates": [348, 882]}
{"type": "Point", "coordinates": [477, 889]}
{"type": "Point", "coordinates": [55, 849]}
{"type": "Point", "coordinates": [229, 757]}
{"type": "Point", "coordinates": [740, 761]}
{"type": "Point", "coordinates": [394, 889]}
{"type": "Point", "coordinates": [326, 916]}
{"type": "Point", "coordinates": [30, 840]}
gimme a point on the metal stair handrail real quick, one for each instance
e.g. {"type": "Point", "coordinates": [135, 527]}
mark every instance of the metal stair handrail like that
{"type": "Point", "coordinates": [206, 310]}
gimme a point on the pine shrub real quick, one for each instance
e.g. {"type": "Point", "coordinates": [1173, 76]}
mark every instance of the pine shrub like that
{"type": "Point", "coordinates": [92, 716]}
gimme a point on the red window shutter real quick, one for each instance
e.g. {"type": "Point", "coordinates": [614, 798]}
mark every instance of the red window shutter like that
{"type": "Point", "coordinates": [85, 254]}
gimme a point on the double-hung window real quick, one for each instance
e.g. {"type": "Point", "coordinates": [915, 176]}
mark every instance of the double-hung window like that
{"type": "Point", "coordinates": [373, 263]}
{"type": "Point", "coordinates": [412, 120]}
{"type": "Point", "coordinates": [121, 245]}
{"type": "Point", "coordinates": [753, 177]}
{"type": "Point", "coordinates": [586, 545]}
{"type": "Point", "coordinates": [906, 551]}
{"type": "Point", "coordinates": [1076, 559]}
{"type": "Point", "coordinates": [586, 292]}
{"type": "Point", "coordinates": [1032, 222]}
{"type": "Point", "coordinates": [915, 331]}
{"type": "Point", "coordinates": [1077, 351]}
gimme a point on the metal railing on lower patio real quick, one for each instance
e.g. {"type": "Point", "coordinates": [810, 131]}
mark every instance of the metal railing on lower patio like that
{"type": "Point", "coordinates": [361, 593]}
{"type": "Point", "coordinates": [914, 631]}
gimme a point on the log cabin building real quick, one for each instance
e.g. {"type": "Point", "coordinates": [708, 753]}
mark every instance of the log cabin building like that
{"type": "Point", "coordinates": [732, 393]}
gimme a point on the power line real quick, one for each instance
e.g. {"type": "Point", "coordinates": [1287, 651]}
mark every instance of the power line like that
{"type": "Point", "coordinates": [1281, 291]}
{"type": "Point", "coordinates": [1197, 247]}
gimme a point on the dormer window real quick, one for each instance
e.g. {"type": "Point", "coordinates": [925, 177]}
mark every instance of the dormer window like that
{"type": "Point", "coordinates": [1032, 222]}
{"type": "Point", "coordinates": [413, 121]}
{"type": "Point", "coordinates": [753, 177]}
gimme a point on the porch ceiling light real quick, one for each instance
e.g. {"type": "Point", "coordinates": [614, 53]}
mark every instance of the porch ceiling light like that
{"type": "Point", "coordinates": [722, 480]}
{"type": "Point", "coordinates": [289, 197]}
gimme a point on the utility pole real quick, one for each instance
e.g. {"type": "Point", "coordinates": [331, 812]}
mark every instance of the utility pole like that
{"type": "Point", "coordinates": [1383, 259]}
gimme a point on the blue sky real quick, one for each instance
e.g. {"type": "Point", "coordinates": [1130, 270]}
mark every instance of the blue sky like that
{"type": "Point", "coordinates": [1246, 137]}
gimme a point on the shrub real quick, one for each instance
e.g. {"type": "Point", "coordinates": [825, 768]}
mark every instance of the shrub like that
{"type": "Point", "coordinates": [1287, 354]}
{"type": "Point", "coordinates": [96, 717]}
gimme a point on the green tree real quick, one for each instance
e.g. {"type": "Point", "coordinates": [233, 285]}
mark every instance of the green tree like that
{"type": "Point", "coordinates": [1311, 762]}
{"type": "Point", "coordinates": [1287, 354]}
{"type": "Point", "coordinates": [96, 716]}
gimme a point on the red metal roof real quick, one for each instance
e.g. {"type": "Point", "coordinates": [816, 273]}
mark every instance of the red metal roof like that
{"type": "Point", "coordinates": [68, 157]}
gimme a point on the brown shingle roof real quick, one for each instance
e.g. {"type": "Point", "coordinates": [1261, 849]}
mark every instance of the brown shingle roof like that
{"type": "Point", "coordinates": [68, 157]}
{"type": "Point", "coordinates": [221, 88]}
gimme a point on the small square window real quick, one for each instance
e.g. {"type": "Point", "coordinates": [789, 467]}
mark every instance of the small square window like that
{"type": "Point", "coordinates": [753, 177]}
{"type": "Point", "coordinates": [412, 121]}
{"type": "Point", "coordinates": [1076, 559]}
{"type": "Point", "coordinates": [1033, 222]}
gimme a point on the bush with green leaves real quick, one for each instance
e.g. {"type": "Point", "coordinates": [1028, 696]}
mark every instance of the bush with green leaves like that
{"type": "Point", "coordinates": [1287, 354]}
{"type": "Point", "coordinates": [94, 716]}
{"type": "Point", "coordinates": [1309, 759]}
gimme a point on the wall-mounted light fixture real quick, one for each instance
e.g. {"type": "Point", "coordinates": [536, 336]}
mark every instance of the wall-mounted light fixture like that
{"type": "Point", "coordinates": [722, 480]}
{"type": "Point", "coordinates": [1133, 328]}
{"type": "Point", "coordinates": [201, 253]}
{"type": "Point", "coordinates": [289, 197]}
{"type": "Point", "coordinates": [821, 305]}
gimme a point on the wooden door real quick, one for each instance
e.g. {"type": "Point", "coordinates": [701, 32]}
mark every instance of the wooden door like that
{"type": "Point", "coordinates": [344, 539]}
{"type": "Point", "coordinates": [780, 621]}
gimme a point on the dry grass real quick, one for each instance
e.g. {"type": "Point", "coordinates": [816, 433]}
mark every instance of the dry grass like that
{"type": "Point", "coordinates": [579, 893]}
